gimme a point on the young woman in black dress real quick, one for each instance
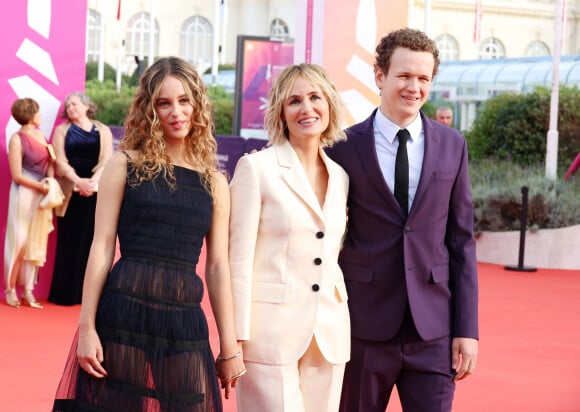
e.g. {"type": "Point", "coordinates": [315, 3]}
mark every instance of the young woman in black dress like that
{"type": "Point", "coordinates": [142, 342]}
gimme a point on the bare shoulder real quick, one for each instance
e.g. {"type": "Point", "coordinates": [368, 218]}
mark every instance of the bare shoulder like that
{"type": "Point", "coordinates": [221, 189]}
{"type": "Point", "coordinates": [114, 174]}
{"type": "Point", "coordinates": [118, 161]}
{"type": "Point", "coordinates": [15, 138]}
{"type": "Point", "coordinates": [220, 178]}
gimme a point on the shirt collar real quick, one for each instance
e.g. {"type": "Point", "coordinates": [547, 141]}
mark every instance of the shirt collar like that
{"type": "Point", "coordinates": [389, 129]}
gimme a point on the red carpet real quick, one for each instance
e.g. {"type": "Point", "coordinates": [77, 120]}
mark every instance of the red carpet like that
{"type": "Point", "coordinates": [529, 350]}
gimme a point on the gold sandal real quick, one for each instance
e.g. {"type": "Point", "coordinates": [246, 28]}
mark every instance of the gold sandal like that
{"type": "Point", "coordinates": [28, 298]}
{"type": "Point", "coordinates": [11, 298]}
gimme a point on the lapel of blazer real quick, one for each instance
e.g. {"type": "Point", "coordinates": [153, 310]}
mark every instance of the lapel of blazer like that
{"type": "Point", "coordinates": [364, 144]}
{"type": "Point", "coordinates": [295, 177]}
{"type": "Point", "coordinates": [335, 182]}
{"type": "Point", "coordinates": [432, 142]}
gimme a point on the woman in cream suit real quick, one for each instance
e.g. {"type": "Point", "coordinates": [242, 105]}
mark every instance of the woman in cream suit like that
{"type": "Point", "coordinates": [288, 218]}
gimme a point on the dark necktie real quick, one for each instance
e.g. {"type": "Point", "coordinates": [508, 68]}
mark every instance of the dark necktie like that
{"type": "Point", "coordinates": [402, 172]}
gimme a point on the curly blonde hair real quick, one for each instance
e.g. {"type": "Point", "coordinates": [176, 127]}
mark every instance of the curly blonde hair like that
{"type": "Point", "coordinates": [144, 133]}
{"type": "Point", "coordinates": [314, 74]}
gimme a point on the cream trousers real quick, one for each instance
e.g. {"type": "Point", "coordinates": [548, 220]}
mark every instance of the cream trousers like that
{"type": "Point", "coordinates": [310, 385]}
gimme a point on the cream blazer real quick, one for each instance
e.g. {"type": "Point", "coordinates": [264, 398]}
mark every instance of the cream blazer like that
{"type": "Point", "coordinates": [287, 285]}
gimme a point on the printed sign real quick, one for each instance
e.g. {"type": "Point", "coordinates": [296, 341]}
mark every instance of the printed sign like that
{"type": "Point", "coordinates": [259, 62]}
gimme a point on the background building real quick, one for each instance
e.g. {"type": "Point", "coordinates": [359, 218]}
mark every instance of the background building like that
{"type": "Point", "coordinates": [200, 31]}
{"type": "Point", "coordinates": [193, 28]}
{"type": "Point", "coordinates": [507, 29]}
{"type": "Point", "coordinates": [486, 46]}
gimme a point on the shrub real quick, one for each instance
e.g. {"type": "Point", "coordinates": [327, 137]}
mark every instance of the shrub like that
{"type": "Point", "coordinates": [112, 105]}
{"type": "Point", "coordinates": [497, 197]}
{"type": "Point", "coordinates": [514, 127]}
{"type": "Point", "coordinates": [222, 109]}
{"type": "Point", "coordinates": [92, 71]}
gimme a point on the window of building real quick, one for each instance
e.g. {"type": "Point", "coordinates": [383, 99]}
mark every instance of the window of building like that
{"type": "Point", "coordinates": [279, 29]}
{"type": "Point", "coordinates": [138, 36]}
{"type": "Point", "coordinates": [93, 35]}
{"type": "Point", "coordinates": [491, 48]}
{"type": "Point", "coordinates": [448, 47]}
{"type": "Point", "coordinates": [196, 41]}
{"type": "Point", "coordinates": [536, 49]}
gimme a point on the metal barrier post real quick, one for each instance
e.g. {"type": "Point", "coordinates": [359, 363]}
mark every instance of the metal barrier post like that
{"type": "Point", "coordinates": [523, 227]}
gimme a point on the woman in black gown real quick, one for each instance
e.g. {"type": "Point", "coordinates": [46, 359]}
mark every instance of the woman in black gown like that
{"type": "Point", "coordinates": [142, 342]}
{"type": "Point", "coordinates": [82, 146]}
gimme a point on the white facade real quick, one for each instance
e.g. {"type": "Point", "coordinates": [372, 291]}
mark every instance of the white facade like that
{"type": "Point", "coordinates": [193, 29]}
{"type": "Point", "coordinates": [513, 28]}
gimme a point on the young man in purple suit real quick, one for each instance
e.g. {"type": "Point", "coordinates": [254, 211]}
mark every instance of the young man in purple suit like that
{"type": "Point", "coordinates": [409, 254]}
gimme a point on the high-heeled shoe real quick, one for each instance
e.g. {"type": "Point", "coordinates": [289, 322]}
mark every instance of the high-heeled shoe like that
{"type": "Point", "coordinates": [11, 298]}
{"type": "Point", "coordinates": [28, 298]}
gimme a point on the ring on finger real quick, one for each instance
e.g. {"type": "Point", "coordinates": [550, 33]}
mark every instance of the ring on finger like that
{"type": "Point", "coordinates": [237, 376]}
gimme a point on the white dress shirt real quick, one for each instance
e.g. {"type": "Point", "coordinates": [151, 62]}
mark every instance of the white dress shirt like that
{"type": "Point", "coordinates": [386, 144]}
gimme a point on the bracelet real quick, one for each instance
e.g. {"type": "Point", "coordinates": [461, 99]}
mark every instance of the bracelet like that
{"type": "Point", "coordinates": [235, 355]}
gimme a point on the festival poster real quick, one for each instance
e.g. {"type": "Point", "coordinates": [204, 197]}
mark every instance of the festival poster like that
{"type": "Point", "coordinates": [43, 57]}
{"type": "Point", "coordinates": [259, 62]}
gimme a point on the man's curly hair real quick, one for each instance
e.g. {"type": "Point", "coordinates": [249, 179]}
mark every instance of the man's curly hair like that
{"type": "Point", "coordinates": [408, 38]}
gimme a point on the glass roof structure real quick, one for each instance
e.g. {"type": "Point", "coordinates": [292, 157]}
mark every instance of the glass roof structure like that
{"type": "Point", "coordinates": [480, 79]}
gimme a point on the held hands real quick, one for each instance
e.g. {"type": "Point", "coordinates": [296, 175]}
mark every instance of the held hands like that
{"type": "Point", "coordinates": [229, 369]}
{"type": "Point", "coordinates": [90, 354]}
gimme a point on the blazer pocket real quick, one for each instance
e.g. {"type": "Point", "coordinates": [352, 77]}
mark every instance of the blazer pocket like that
{"type": "Point", "coordinates": [440, 273]}
{"type": "Point", "coordinates": [356, 273]}
{"type": "Point", "coordinates": [268, 292]}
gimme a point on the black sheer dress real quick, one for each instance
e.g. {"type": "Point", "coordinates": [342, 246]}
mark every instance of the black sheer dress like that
{"type": "Point", "coordinates": [150, 322]}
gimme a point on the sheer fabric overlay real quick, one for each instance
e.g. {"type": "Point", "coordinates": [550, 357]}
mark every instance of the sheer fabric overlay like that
{"type": "Point", "coordinates": [150, 322]}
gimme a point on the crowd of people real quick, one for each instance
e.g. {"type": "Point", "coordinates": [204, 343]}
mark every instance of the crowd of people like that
{"type": "Point", "coordinates": [340, 264]}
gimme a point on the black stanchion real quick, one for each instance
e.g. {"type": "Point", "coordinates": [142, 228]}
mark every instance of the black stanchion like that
{"type": "Point", "coordinates": [524, 223]}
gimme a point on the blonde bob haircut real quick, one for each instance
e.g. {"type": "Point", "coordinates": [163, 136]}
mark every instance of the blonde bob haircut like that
{"type": "Point", "coordinates": [143, 131]}
{"type": "Point", "coordinates": [274, 122]}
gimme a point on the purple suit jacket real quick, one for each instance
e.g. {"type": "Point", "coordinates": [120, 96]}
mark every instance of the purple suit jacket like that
{"type": "Point", "coordinates": [427, 260]}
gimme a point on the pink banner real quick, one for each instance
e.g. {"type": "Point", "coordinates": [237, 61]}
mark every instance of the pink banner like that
{"type": "Point", "coordinates": [349, 52]}
{"type": "Point", "coordinates": [43, 57]}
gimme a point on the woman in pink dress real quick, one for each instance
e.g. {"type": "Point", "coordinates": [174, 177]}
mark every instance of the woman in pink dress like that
{"type": "Point", "coordinates": [30, 160]}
